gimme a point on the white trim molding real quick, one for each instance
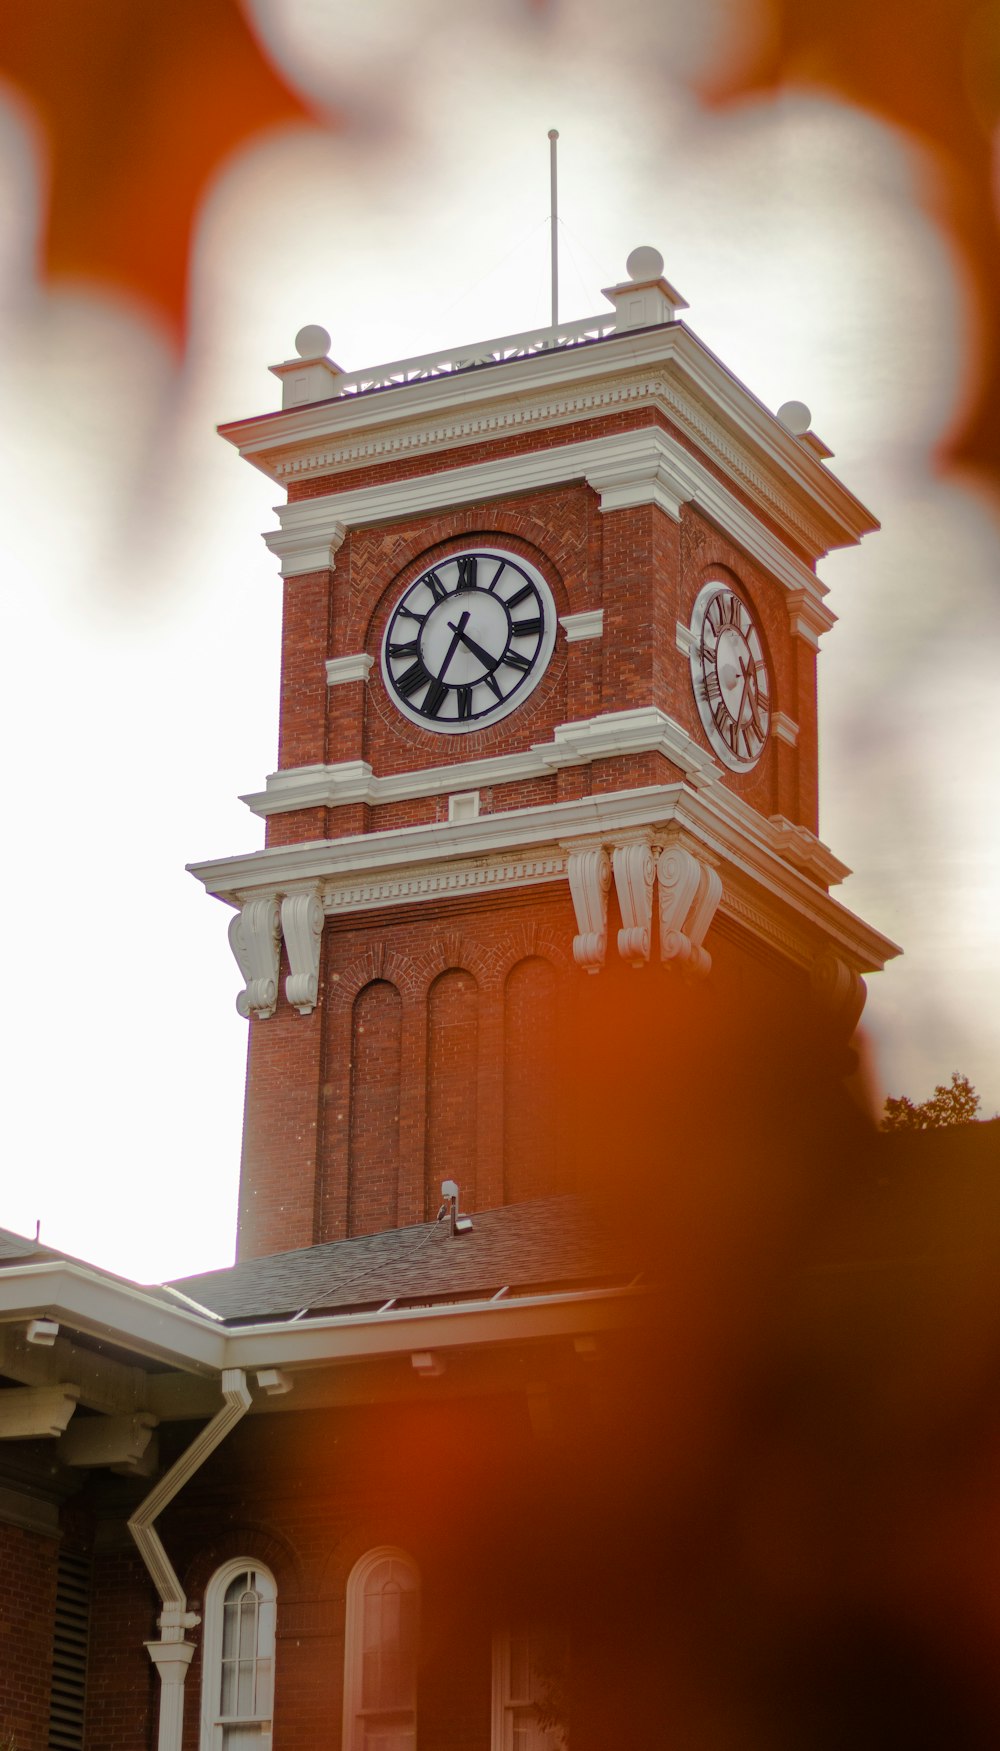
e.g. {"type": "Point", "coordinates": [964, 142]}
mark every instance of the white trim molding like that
{"type": "Point", "coordinates": [771, 870]}
{"type": "Point", "coordinates": [647, 466]}
{"type": "Point", "coordinates": [589, 624]}
{"type": "Point", "coordinates": [340, 670]}
{"type": "Point", "coordinates": [644, 730]}
{"type": "Point", "coordinates": [808, 617]}
{"type": "Point", "coordinates": [785, 728]}
{"type": "Point", "coordinates": [664, 365]}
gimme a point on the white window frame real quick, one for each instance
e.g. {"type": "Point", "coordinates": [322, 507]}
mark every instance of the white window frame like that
{"type": "Point", "coordinates": [504, 1706]}
{"type": "Point", "coordinates": [353, 1734]}
{"type": "Point", "coordinates": [213, 1724]}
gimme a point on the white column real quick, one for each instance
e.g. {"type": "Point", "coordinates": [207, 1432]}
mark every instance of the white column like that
{"type": "Point", "coordinates": [171, 1660]}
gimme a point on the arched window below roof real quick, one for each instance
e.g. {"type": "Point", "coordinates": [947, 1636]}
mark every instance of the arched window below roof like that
{"type": "Point", "coordinates": [237, 1684]}
{"type": "Point", "coordinates": [380, 1652]}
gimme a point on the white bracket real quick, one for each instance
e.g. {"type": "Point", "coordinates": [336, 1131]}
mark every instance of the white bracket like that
{"type": "Point", "coordinates": [838, 990]}
{"type": "Point", "coordinates": [635, 871]}
{"type": "Point", "coordinates": [254, 937]}
{"type": "Point", "coordinates": [589, 873]}
{"type": "Point", "coordinates": [27, 1412]}
{"type": "Point", "coordinates": [117, 1441]}
{"type": "Point", "coordinates": [690, 891]}
{"type": "Point", "coordinates": [302, 928]}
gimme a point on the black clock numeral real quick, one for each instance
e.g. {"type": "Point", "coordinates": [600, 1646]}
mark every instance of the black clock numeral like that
{"type": "Point", "coordinates": [410, 649]}
{"type": "Point", "coordinates": [516, 661]}
{"type": "Point", "coordinates": [763, 703]}
{"type": "Point", "coordinates": [498, 574]}
{"type": "Point", "coordinates": [434, 698]}
{"type": "Point", "coordinates": [412, 679]}
{"type": "Point", "coordinates": [464, 703]}
{"type": "Point", "coordinates": [467, 566]}
{"type": "Point", "coordinates": [520, 595]}
{"type": "Point", "coordinates": [411, 614]}
{"type": "Point", "coordinates": [493, 685]}
{"type": "Point", "coordinates": [434, 584]}
{"type": "Point", "coordinates": [708, 688]}
{"type": "Point", "coordinates": [524, 628]}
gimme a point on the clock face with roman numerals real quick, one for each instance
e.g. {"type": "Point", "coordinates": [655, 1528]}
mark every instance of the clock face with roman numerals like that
{"type": "Point", "coordinates": [468, 641]}
{"type": "Point", "coordinates": [729, 676]}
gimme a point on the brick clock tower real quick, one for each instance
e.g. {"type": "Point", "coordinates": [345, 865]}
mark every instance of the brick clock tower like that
{"type": "Point", "coordinates": [548, 722]}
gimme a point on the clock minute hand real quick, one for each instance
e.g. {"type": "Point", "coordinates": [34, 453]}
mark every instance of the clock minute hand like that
{"type": "Point", "coordinates": [459, 631]}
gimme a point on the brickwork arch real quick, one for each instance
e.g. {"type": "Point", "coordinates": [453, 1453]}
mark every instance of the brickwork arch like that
{"type": "Point", "coordinates": [256, 1541]}
{"type": "Point", "coordinates": [376, 963]}
{"type": "Point", "coordinates": [378, 580]}
{"type": "Point", "coordinates": [452, 951]}
{"type": "Point", "coordinates": [527, 940]}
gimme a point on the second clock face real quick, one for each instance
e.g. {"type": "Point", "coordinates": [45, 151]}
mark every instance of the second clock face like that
{"type": "Point", "coordinates": [468, 640]}
{"type": "Point", "coordinates": [729, 676]}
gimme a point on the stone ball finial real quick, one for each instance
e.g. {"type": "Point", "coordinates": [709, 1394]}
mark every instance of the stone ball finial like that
{"type": "Point", "coordinates": [795, 417]}
{"type": "Point", "coordinates": [312, 342]}
{"type": "Point", "coordinates": [644, 263]}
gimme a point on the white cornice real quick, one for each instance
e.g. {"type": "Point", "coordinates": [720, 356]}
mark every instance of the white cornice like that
{"type": "Point", "coordinates": [645, 730]}
{"type": "Point", "coordinates": [643, 467]}
{"type": "Point", "coordinates": [123, 1313]}
{"type": "Point", "coordinates": [666, 366]}
{"type": "Point", "coordinates": [354, 668]}
{"type": "Point", "coordinates": [589, 624]}
{"type": "Point", "coordinates": [520, 847]}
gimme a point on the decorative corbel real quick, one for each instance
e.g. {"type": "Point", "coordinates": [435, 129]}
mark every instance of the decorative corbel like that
{"type": "Point", "coordinates": [255, 939]}
{"type": "Point", "coordinates": [690, 891]}
{"type": "Point", "coordinates": [302, 928]}
{"type": "Point", "coordinates": [589, 874]}
{"type": "Point", "coordinates": [838, 990]}
{"type": "Point", "coordinates": [635, 871]}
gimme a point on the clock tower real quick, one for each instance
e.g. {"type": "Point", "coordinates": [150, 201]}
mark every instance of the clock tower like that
{"type": "Point", "coordinates": [547, 749]}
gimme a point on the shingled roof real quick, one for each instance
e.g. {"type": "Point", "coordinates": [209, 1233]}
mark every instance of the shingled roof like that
{"type": "Point", "coordinates": [549, 1244]}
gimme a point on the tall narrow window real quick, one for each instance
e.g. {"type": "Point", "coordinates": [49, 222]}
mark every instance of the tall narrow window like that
{"type": "Point", "coordinates": [380, 1656]}
{"type": "Point", "coordinates": [529, 1689]}
{"type": "Point", "coordinates": [238, 1673]}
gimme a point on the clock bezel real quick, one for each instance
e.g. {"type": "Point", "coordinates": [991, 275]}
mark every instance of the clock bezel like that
{"type": "Point", "coordinates": [523, 688]}
{"type": "Point", "coordinates": [708, 593]}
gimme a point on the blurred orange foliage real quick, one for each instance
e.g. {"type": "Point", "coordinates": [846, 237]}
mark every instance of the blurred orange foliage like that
{"type": "Point", "coordinates": [139, 105]}
{"type": "Point", "coordinates": [932, 69]}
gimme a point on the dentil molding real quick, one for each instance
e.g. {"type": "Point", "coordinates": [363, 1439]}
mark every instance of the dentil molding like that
{"type": "Point", "coordinates": [665, 365]}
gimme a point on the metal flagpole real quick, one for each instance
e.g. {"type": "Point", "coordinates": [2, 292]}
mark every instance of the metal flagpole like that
{"type": "Point", "coordinates": [553, 137]}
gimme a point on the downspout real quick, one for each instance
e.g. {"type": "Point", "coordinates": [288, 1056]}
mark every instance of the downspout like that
{"type": "Point", "coordinates": [171, 1655]}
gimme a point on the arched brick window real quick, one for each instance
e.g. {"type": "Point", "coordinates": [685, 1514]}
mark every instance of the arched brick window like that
{"type": "Point", "coordinates": [237, 1684]}
{"type": "Point", "coordinates": [380, 1653]}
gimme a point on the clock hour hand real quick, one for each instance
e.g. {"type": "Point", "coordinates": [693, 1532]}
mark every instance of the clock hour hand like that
{"type": "Point", "coordinates": [459, 631]}
{"type": "Point", "coordinates": [477, 650]}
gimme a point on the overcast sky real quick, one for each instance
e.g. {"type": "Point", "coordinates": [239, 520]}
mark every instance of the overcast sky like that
{"type": "Point", "coordinates": [141, 610]}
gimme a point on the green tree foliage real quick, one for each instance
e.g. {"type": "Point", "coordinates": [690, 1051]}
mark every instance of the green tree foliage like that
{"type": "Point", "coordinates": [957, 1105]}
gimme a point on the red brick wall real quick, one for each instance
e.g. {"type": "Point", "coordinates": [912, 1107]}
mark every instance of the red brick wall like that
{"type": "Point", "coordinates": [122, 1685]}
{"type": "Point", "coordinates": [452, 1086]}
{"type": "Point", "coordinates": [373, 1189]}
{"type": "Point", "coordinates": [27, 1603]}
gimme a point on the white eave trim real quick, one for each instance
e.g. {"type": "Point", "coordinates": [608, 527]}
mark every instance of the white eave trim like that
{"type": "Point", "coordinates": [124, 1314]}
{"type": "Point", "coordinates": [523, 847]}
{"type": "Point", "coordinates": [646, 466]}
{"type": "Point", "coordinates": [271, 441]}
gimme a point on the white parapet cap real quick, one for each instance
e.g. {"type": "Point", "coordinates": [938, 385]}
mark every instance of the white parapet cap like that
{"type": "Point", "coordinates": [307, 380]}
{"type": "Point", "coordinates": [644, 300]}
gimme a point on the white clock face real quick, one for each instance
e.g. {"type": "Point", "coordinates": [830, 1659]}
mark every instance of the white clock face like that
{"type": "Point", "coordinates": [729, 676]}
{"type": "Point", "coordinates": [468, 640]}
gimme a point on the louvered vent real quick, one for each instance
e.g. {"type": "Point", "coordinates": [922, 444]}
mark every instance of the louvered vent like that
{"type": "Point", "coordinates": [69, 1661]}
